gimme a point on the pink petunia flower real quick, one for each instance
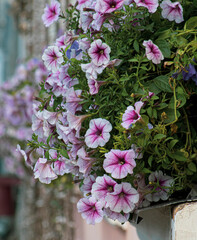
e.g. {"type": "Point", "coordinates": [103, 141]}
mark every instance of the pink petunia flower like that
{"type": "Point", "coordinates": [60, 42]}
{"type": "Point", "coordinates": [122, 218]}
{"type": "Point", "coordinates": [153, 52]}
{"type": "Point", "coordinates": [51, 13]}
{"type": "Point", "coordinates": [98, 133]}
{"type": "Point", "coordinates": [108, 6]}
{"type": "Point", "coordinates": [131, 115]}
{"type": "Point", "coordinates": [75, 121]}
{"type": "Point", "coordinates": [123, 198]}
{"type": "Point", "coordinates": [86, 188]}
{"type": "Point", "coordinates": [84, 161]}
{"type": "Point", "coordinates": [161, 184]}
{"type": "Point", "coordinates": [44, 171]}
{"type": "Point", "coordinates": [60, 167]}
{"type": "Point", "coordinates": [73, 99]}
{"type": "Point", "coordinates": [102, 187]}
{"type": "Point", "coordinates": [99, 52]}
{"type": "Point", "coordinates": [94, 85]}
{"type": "Point", "coordinates": [119, 163]}
{"type": "Point", "coordinates": [52, 58]}
{"type": "Point", "coordinates": [151, 5]}
{"type": "Point", "coordinates": [91, 210]}
{"type": "Point", "coordinates": [173, 11]}
{"type": "Point", "coordinates": [92, 70]}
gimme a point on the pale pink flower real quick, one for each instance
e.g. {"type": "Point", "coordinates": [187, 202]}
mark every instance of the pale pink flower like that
{"type": "Point", "coordinates": [26, 155]}
{"type": "Point", "coordinates": [73, 99]}
{"type": "Point", "coordinates": [163, 183]}
{"type": "Point", "coordinates": [131, 115]}
{"type": "Point", "coordinates": [121, 217]}
{"type": "Point", "coordinates": [92, 70]}
{"type": "Point", "coordinates": [98, 133]}
{"type": "Point", "coordinates": [119, 163]}
{"type": "Point", "coordinates": [75, 121]}
{"type": "Point", "coordinates": [83, 4]}
{"type": "Point", "coordinates": [99, 52]}
{"type": "Point", "coordinates": [91, 210]}
{"type": "Point", "coordinates": [173, 11]}
{"type": "Point", "coordinates": [51, 13]}
{"type": "Point", "coordinates": [52, 58]}
{"type": "Point", "coordinates": [44, 171]}
{"type": "Point", "coordinates": [85, 20]}
{"type": "Point", "coordinates": [59, 167]}
{"type": "Point", "coordinates": [60, 42]}
{"type": "Point", "coordinates": [123, 198]}
{"type": "Point", "coordinates": [37, 124]}
{"type": "Point", "coordinates": [102, 187]}
{"type": "Point", "coordinates": [153, 53]}
{"type": "Point", "coordinates": [84, 161]}
{"type": "Point", "coordinates": [99, 19]}
{"type": "Point", "coordinates": [94, 85]}
{"type": "Point", "coordinates": [151, 5]}
{"type": "Point", "coordinates": [51, 117]}
{"type": "Point", "coordinates": [66, 133]}
{"type": "Point", "coordinates": [86, 188]}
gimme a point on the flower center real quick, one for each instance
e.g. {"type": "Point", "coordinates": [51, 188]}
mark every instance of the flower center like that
{"type": "Point", "coordinates": [134, 115]}
{"type": "Point", "coordinates": [110, 189]}
{"type": "Point", "coordinates": [121, 195]}
{"type": "Point", "coordinates": [122, 161]}
{"type": "Point", "coordinates": [98, 132]}
{"type": "Point", "coordinates": [101, 51]}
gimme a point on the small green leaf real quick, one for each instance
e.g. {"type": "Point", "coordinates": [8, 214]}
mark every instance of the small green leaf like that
{"type": "Point", "coordinates": [173, 143]}
{"type": "Point", "coordinates": [191, 23]}
{"type": "Point", "coordinates": [159, 136]}
{"type": "Point", "coordinates": [146, 170]}
{"type": "Point", "coordinates": [136, 46]}
{"type": "Point", "coordinates": [150, 159]}
{"type": "Point", "coordinates": [192, 166]}
{"type": "Point", "coordinates": [64, 153]}
{"type": "Point", "coordinates": [150, 112]}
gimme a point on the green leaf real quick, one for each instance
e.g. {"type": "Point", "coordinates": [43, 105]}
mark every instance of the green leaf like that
{"type": "Point", "coordinates": [179, 156]}
{"type": "Point", "coordinates": [162, 82]}
{"type": "Point", "coordinates": [150, 159]}
{"type": "Point", "coordinates": [49, 138]}
{"type": "Point", "coordinates": [64, 153]}
{"type": "Point", "coordinates": [146, 170]}
{"type": "Point", "coordinates": [46, 154]}
{"type": "Point", "coordinates": [136, 46]}
{"type": "Point", "coordinates": [150, 112]}
{"type": "Point", "coordinates": [191, 23]}
{"type": "Point", "coordinates": [173, 143]}
{"type": "Point", "coordinates": [159, 136]}
{"type": "Point", "coordinates": [164, 46]}
{"type": "Point", "coordinates": [192, 166]}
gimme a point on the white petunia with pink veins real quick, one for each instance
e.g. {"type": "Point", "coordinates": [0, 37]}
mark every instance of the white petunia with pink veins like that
{"type": "Point", "coordinates": [51, 13]}
{"type": "Point", "coordinates": [119, 163]}
{"type": "Point", "coordinates": [98, 133]}
{"type": "Point", "coordinates": [99, 52]}
{"type": "Point", "coordinates": [153, 53]}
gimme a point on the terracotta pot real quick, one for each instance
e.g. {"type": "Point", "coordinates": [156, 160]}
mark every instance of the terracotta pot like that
{"type": "Point", "coordinates": [6, 195]}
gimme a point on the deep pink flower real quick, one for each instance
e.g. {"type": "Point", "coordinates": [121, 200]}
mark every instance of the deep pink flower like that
{"type": "Point", "coordinates": [102, 187]}
{"type": "Point", "coordinates": [123, 198]}
{"type": "Point", "coordinates": [131, 115]}
{"type": "Point", "coordinates": [60, 42]}
{"type": "Point", "coordinates": [151, 5]}
{"type": "Point", "coordinates": [84, 161]}
{"type": "Point", "coordinates": [153, 52]}
{"type": "Point", "coordinates": [108, 6]}
{"type": "Point", "coordinates": [83, 4]}
{"type": "Point", "coordinates": [119, 163]}
{"type": "Point", "coordinates": [173, 11]}
{"type": "Point", "coordinates": [98, 133]}
{"type": "Point", "coordinates": [44, 171]}
{"type": "Point", "coordinates": [52, 58]}
{"type": "Point", "coordinates": [91, 210]}
{"type": "Point", "coordinates": [99, 52]}
{"type": "Point", "coordinates": [51, 13]}
{"type": "Point", "coordinates": [163, 183]}
{"type": "Point", "coordinates": [122, 218]}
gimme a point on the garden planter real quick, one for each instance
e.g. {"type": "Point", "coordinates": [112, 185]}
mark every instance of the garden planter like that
{"type": "Point", "coordinates": [163, 221]}
{"type": "Point", "coordinates": [6, 195]}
